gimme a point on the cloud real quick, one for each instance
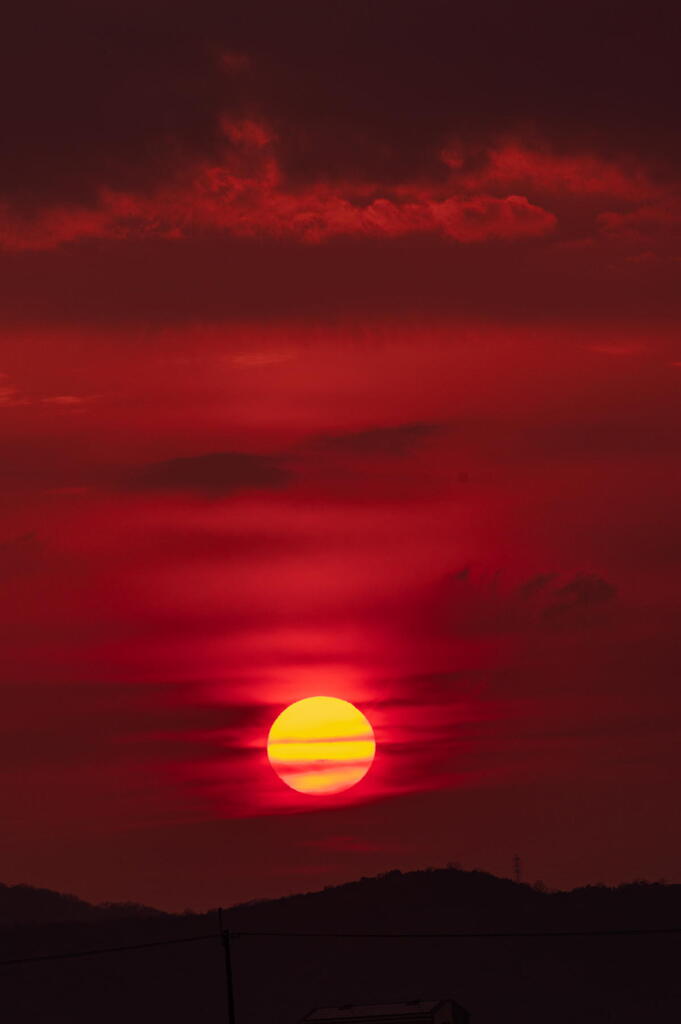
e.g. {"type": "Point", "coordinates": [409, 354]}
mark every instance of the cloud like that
{"type": "Point", "coordinates": [393, 441]}
{"type": "Point", "coordinates": [474, 603]}
{"type": "Point", "coordinates": [513, 164]}
{"type": "Point", "coordinates": [245, 195]}
{"type": "Point", "coordinates": [644, 224]}
{"type": "Point", "coordinates": [472, 194]}
{"type": "Point", "coordinates": [341, 843]}
{"type": "Point", "coordinates": [574, 602]}
{"type": "Point", "coordinates": [76, 723]}
{"type": "Point", "coordinates": [232, 122]}
{"type": "Point", "coordinates": [67, 401]}
{"type": "Point", "coordinates": [489, 193]}
{"type": "Point", "coordinates": [11, 396]}
{"type": "Point", "coordinates": [215, 474]}
{"type": "Point", "coordinates": [621, 349]}
{"type": "Point", "coordinates": [99, 97]}
{"type": "Point", "coordinates": [368, 465]}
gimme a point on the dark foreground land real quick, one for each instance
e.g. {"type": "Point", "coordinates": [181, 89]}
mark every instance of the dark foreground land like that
{"type": "Point", "coordinates": [618, 978]}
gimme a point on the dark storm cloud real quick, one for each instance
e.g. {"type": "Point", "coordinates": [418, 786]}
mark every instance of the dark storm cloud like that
{"type": "Point", "coordinates": [124, 95]}
{"type": "Point", "coordinates": [217, 473]}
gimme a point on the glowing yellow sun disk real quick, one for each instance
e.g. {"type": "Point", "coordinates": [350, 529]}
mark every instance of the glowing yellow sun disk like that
{"type": "Point", "coordinates": [321, 745]}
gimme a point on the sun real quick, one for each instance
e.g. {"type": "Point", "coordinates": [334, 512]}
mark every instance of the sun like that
{"type": "Point", "coordinates": [321, 745]}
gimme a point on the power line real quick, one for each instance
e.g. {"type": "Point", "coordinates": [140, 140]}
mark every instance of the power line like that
{"type": "Point", "coordinates": [460, 935]}
{"type": "Point", "coordinates": [103, 951]}
{"type": "Point", "coordinates": [604, 932]}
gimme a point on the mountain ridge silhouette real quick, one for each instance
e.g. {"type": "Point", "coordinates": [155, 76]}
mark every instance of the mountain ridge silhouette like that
{"type": "Point", "coordinates": [279, 979]}
{"type": "Point", "coordinates": [28, 904]}
{"type": "Point", "coordinates": [474, 891]}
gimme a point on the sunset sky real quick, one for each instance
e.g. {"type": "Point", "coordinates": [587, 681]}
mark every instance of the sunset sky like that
{"type": "Point", "coordinates": [339, 355]}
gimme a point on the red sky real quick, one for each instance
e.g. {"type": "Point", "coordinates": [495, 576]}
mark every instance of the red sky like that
{"type": "Point", "coordinates": [339, 354]}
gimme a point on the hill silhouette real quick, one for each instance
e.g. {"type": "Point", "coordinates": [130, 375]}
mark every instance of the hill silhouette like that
{"type": "Point", "coordinates": [623, 978]}
{"type": "Point", "coordinates": [25, 904]}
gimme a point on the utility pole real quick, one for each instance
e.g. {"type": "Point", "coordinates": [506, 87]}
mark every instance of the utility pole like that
{"type": "Point", "coordinates": [229, 977]}
{"type": "Point", "coordinates": [517, 868]}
